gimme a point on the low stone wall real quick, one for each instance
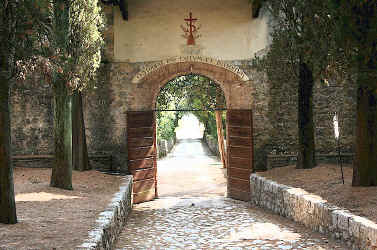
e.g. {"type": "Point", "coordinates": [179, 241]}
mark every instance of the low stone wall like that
{"type": "Point", "coordinates": [313, 212]}
{"type": "Point", "coordinates": [274, 161]}
{"type": "Point", "coordinates": [213, 144]}
{"type": "Point", "coordinates": [111, 221]}
{"type": "Point", "coordinates": [165, 146]}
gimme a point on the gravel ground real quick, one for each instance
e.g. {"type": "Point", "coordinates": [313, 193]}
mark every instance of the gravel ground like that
{"type": "Point", "coordinates": [51, 218]}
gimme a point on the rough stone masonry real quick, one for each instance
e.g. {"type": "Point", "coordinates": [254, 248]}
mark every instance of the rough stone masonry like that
{"type": "Point", "coordinates": [105, 106]}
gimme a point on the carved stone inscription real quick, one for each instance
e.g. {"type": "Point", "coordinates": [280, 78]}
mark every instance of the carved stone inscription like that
{"type": "Point", "coordinates": [158, 66]}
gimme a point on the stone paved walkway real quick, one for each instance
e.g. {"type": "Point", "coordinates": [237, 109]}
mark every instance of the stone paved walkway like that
{"type": "Point", "coordinates": [192, 212]}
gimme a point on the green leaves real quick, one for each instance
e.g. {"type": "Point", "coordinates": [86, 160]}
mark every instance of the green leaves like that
{"type": "Point", "coordinates": [190, 92]}
{"type": "Point", "coordinates": [77, 37]}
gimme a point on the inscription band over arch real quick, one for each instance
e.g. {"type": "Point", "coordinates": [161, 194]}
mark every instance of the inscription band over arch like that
{"type": "Point", "coordinates": [180, 59]}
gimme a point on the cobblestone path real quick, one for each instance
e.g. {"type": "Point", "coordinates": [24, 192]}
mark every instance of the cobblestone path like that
{"type": "Point", "coordinates": [192, 212]}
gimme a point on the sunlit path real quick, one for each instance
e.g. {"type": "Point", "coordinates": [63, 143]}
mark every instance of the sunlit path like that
{"type": "Point", "coordinates": [192, 212]}
{"type": "Point", "coordinates": [189, 171]}
{"type": "Point", "coordinates": [189, 128]}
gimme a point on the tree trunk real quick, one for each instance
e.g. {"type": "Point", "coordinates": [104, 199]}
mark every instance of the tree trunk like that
{"type": "Point", "coordinates": [7, 202]}
{"type": "Point", "coordinates": [220, 136]}
{"type": "Point", "coordinates": [365, 162]}
{"type": "Point", "coordinates": [79, 147]}
{"type": "Point", "coordinates": [306, 150]}
{"type": "Point", "coordinates": [62, 170]}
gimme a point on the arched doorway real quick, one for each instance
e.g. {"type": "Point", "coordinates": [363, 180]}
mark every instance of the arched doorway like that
{"type": "Point", "coordinates": [190, 110]}
{"type": "Point", "coordinates": [141, 125]}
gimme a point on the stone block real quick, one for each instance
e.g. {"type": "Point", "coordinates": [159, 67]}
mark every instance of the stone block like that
{"type": "Point", "coordinates": [354, 227]}
{"type": "Point", "coordinates": [342, 226]}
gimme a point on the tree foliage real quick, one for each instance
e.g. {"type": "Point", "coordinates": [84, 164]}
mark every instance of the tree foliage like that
{"type": "Point", "coordinates": [355, 35]}
{"type": "Point", "coordinates": [190, 92]}
{"type": "Point", "coordinates": [17, 19]}
{"type": "Point", "coordinates": [336, 40]}
{"type": "Point", "coordinates": [297, 56]}
{"type": "Point", "coordinates": [67, 53]}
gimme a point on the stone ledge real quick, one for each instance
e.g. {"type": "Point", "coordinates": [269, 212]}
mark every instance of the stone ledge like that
{"type": "Point", "coordinates": [314, 212]}
{"type": "Point", "coordinates": [274, 161]}
{"type": "Point", "coordinates": [97, 161]}
{"type": "Point", "coordinates": [111, 221]}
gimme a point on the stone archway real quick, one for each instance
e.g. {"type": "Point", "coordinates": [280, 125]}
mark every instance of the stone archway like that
{"type": "Point", "coordinates": [141, 125]}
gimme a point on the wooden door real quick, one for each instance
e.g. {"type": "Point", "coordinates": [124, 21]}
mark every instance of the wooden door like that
{"type": "Point", "coordinates": [240, 153]}
{"type": "Point", "coordinates": [142, 157]}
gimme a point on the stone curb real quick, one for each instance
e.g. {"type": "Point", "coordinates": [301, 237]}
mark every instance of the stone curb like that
{"type": "Point", "coordinates": [314, 212]}
{"type": "Point", "coordinates": [111, 221]}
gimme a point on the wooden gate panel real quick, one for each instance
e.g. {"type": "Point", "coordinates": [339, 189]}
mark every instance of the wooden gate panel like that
{"type": "Point", "coordinates": [137, 153]}
{"type": "Point", "coordinates": [142, 156]}
{"type": "Point", "coordinates": [238, 172]}
{"type": "Point", "coordinates": [143, 185]}
{"type": "Point", "coordinates": [240, 163]}
{"type": "Point", "coordinates": [141, 164]}
{"type": "Point", "coordinates": [141, 133]}
{"type": "Point", "coordinates": [144, 196]}
{"type": "Point", "coordinates": [240, 153]}
{"type": "Point", "coordinates": [239, 195]}
{"type": "Point", "coordinates": [143, 174]}
{"type": "Point", "coordinates": [140, 142]}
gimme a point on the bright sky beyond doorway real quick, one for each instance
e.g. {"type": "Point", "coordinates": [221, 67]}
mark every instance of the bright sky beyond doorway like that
{"type": "Point", "coordinates": [189, 127]}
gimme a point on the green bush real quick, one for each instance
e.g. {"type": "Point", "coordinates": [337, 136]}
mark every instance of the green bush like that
{"type": "Point", "coordinates": [166, 124]}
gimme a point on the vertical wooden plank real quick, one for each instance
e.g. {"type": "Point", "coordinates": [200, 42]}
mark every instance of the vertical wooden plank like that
{"type": "Point", "coordinates": [240, 153]}
{"type": "Point", "coordinates": [142, 156]}
{"type": "Point", "coordinates": [155, 158]}
{"type": "Point", "coordinates": [220, 136]}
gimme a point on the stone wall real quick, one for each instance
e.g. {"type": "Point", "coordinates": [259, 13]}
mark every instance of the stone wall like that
{"type": "Point", "coordinates": [213, 144]}
{"type": "Point", "coordinates": [313, 212]}
{"type": "Point", "coordinates": [263, 137]}
{"type": "Point", "coordinates": [328, 99]}
{"type": "Point", "coordinates": [165, 146]}
{"type": "Point", "coordinates": [105, 110]}
{"type": "Point", "coordinates": [274, 161]}
{"type": "Point", "coordinates": [32, 111]}
{"type": "Point", "coordinates": [106, 106]}
{"type": "Point", "coordinates": [337, 98]}
{"type": "Point", "coordinates": [105, 119]}
{"type": "Point", "coordinates": [110, 222]}
{"type": "Point", "coordinates": [99, 162]}
{"type": "Point", "coordinates": [31, 117]}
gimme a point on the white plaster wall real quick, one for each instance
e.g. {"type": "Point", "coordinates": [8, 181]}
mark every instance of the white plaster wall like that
{"type": "Point", "coordinates": [153, 31]}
